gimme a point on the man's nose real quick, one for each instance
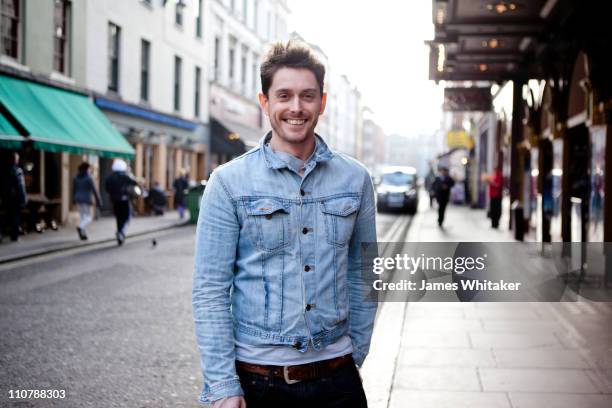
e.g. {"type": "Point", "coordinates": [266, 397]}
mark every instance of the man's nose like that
{"type": "Point", "coordinates": [296, 105]}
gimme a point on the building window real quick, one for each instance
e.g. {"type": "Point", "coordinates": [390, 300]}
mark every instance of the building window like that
{"type": "Point", "coordinates": [145, 64]}
{"type": "Point", "coordinates": [243, 68]}
{"type": "Point", "coordinates": [244, 10]}
{"type": "Point", "coordinates": [232, 54]}
{"type": "Point", "coordinates": [256, 76]}
{"type": "Point", "coordinates": [61, 36]}
{"type": "Point", "coordinates": [178, 12]}
{"type": "Point", "coordinates": [178, 66]}
{"type": "Point", "coordinates": [217, 58]}
{"type": "Point", "coordinates": [10, 28]}
{"type": "Point", "coordinates": [255, 12]}
{"type": "Point", "coordinates": [114, 53]}
{"type": "Point", "coordinates": [199, 19]}
{"type": "Point", "coordinates": [233, 5]}
{"type": "Point", "coordinates": [198, 80]}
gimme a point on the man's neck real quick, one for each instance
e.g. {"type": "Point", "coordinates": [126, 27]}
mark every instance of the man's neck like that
{"type": "Point", "coordinates": [301, 150]}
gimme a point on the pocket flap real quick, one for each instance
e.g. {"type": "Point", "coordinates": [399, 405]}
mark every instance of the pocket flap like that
{"type": "Point", "coordinates": [265, 206]}
{"type": "Point", "coordinates": [342, 206]}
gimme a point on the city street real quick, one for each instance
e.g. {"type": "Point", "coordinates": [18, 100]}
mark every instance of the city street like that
{"type": "Point", "coordinates": [110, 326]}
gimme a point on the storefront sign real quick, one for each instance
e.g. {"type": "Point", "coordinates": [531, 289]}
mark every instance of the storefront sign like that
{"type": "Point", "coordinates": [467, 99]}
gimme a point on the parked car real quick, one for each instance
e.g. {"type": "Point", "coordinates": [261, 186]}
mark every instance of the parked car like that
{"type": "Point", "coordinates": [396, 189]}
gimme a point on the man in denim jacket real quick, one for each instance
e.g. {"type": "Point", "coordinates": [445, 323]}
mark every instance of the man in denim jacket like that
{"type": "Point", "coordinates": [279, 298]}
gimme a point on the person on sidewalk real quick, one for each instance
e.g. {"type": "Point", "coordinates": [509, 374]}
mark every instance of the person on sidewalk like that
{"type": "Point", "coordinates": [429, 180]}
{"type": "Point", "coordinates": [496, 182]}
{"type": "Point", "coordinates": [83, 188]}
{"type": "Point", "coordinates": [119, 185]}
{"type": "Point", "coordinates": [279, 298]}
{"type": "Point", "coordinates": [14, 197]}
{"type": "Point", "coordinates": [157, 199]}
{"type": "Point", "coordinates": [442, 186]}
{"type": "Point", "coordinates": [180, 184]}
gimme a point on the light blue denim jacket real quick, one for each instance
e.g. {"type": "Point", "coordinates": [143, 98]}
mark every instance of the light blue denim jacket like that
{"type": "Point", "coordinates": [278, 259]}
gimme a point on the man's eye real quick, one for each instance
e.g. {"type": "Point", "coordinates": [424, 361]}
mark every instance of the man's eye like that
{"type": "Point", "coordinates": [282, 96]}
{"type": "Point", "coordinates": [308, 97]}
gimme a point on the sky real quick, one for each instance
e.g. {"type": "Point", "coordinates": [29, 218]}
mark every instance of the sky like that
{"type": "Point", "coordinates": [380, 46]}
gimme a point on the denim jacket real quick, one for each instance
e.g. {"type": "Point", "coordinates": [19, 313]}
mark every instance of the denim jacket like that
{"type": "Point", "coordinates": [278, 259]}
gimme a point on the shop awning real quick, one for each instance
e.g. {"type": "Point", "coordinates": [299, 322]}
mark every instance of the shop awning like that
{"type": "Point", "coordinates": [9, 136]}
{"type": "Point", "coordinates": [61, 121]}
{"type": "Point", "coordinates": [225, 140]}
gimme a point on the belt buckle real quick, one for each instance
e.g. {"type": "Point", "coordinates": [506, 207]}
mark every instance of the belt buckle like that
{"type": "Point", "coordinates": [286, 376]}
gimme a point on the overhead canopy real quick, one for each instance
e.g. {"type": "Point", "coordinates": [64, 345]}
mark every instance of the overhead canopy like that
{"type": "Point", "coordinates": [61, 121]}
{"type": "Point", "coordinates": [225, 140]}
{"type": "Point", "coordinates": [9, 136]}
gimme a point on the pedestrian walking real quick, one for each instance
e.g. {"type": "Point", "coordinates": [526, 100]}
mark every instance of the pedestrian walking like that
{"type": "Point", "coordinates": [278, 292]}
{"type": "Point", "coordinates": [429, 180]}
{"type": "Point", "coordinates": [496, 181]}
{"type": "Point", "coordinates": [14, 197]}
{"type": "Point", "coordinates": [180, 184]}
{"type": "Point", "coordinates": [442, 186]}
{"type": "Point", "coordinates": [119, 186]}
{"type": "Point", "coordinates": [83, 189]}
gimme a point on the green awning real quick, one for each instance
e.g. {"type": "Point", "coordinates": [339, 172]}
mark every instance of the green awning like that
{"type": "Point", "coordinates": [9, 136]}
{"type": "Point", "coordinates": [61, 121]}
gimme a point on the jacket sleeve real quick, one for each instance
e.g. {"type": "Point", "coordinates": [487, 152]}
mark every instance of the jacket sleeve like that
{"type": "Point", "coordinates": [362, 308]}
{"type": "Point", "coordinates": [216, 244]}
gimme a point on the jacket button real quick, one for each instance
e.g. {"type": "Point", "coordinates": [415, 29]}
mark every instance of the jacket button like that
{"type": "Point", "coordinates": [308, 307]}
{"type": "Point", "coordinates": [304, 230]}
{"type": "Point", "coordinates": [302, 192]}
{"type": "Point", "coordinates": [297, 345]}
{"type": "Point", "coordinates": [268, 216]}
{"type": "Point", "coordinates": [307, 268]}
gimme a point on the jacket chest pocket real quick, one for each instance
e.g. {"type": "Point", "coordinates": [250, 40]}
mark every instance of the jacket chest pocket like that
{"type": "Point", "coordinates": [268, 224]}
{"type": "Point", "coordinates": [340, 214]}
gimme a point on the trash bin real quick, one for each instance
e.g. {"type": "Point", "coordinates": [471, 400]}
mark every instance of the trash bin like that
{"type": "Point", "coordinates": [518, 222]}
{"type": "Point", "coordinates": [194, 196]}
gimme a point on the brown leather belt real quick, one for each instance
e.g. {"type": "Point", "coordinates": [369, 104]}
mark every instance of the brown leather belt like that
{"type": "Point", "coordinates": [297, 373]}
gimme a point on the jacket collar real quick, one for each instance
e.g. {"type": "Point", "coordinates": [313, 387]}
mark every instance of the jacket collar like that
{"type": "Point", "coordinates": [322, 153]}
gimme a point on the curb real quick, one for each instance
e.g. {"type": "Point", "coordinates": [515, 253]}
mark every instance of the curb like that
{"type": "Point", "coordinates": [42, 252]}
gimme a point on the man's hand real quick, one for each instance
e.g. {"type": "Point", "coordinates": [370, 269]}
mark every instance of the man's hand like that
{"type": "Point", "coordinates": [230, 402]}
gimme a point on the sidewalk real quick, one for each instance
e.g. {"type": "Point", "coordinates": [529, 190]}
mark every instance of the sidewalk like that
{"type": "Point", "coordinates": [100, 230]}
{"type": "Point", "coordinates": [487, 354]}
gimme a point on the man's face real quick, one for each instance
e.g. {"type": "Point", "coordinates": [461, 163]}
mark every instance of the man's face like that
{"type": "Point", "coordinates": [294, 104]}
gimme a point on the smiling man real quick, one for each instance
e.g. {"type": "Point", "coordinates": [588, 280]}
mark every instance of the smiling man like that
{"type": "Point", "coordinates": [278, 295]}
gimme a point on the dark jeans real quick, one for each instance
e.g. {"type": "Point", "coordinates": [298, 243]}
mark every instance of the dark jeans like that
{"type": "Point", "coordinates": [13, 221]}
{"type": "Point", "coordinates": [342, 389]}
{"type": "Point", "coordinates": [441, 210]}
{"type": "Point", "coordinates": [495, 211]}
{"type": "Point", "coordinates": [122, 214]}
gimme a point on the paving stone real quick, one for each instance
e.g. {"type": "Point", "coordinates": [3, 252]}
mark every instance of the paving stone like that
{"type": "Point", "coordinates": [514, 341]}
{"type": "Point", "coordinates": [517, 313]}
{"type": "Point", "coordinates": [435, 340]}
{"type": "Point", "coordinates": [537, 380]}
{"type": "Point", "coordinates": [540, 358]}
{"type": "Point", "coordinates": [428, 399]}
{"type": "Point", "coordinates": [521, 326]}
{"type": "Point", "coordinates": [529, 400]}
{"type": "Point", "coordinates": [441, 324]}
{"type": "Point", "coordinates": [442, 379]}
{"type": "Point", "coordinates": [444, 357]}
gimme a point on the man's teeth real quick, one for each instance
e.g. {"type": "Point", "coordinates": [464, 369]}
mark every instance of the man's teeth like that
{"type": "Point", "coordinates": [296, 121]}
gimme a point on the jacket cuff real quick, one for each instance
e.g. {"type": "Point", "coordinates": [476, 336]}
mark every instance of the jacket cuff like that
{"type": "Point", "coordinates": [222, 389]}
{"type": "Point", "coordinates": [358, 358]}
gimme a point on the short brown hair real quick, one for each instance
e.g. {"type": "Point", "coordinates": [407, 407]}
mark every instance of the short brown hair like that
{"type": "Point", "coordinates": [292, 54]}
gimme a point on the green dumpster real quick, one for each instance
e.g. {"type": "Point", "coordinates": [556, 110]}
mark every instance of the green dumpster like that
{"type": "Point", "coordinates": [194, 196]}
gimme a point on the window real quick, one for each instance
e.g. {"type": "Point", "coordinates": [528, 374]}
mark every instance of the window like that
{"type": "Point", "coordinates": [255, 10]}
{"type": "Point", "coordinates": [10, 31]}
{"type": "Point", "coordinates": [256, 76]}
{"type": "Point", "coordinates": [114, 53]}
{"type": "Point", "coordinates": [244, 10]}
{"type": "Point", "coordinates": [198, 80]}
{"type": "Point", "coordinates": [178, 12]}
{"type": "Point", "coordinates": [243, 68]}
{"type": "Point", "coordinates": [217, 57]}
{"type": "Point", "coordinates": [232, 54]}
{"type": "Point", "coordinates": [145, 64]}
{"type": "Point", "coordinates": [61, 35]}
{"type": "Point", "coordinates": [198, 21]}
{"type": "Point", "coordinates": [177, 82]}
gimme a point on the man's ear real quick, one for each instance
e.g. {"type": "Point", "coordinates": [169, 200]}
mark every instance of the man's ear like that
{"type": "Point", "coordinates": [263, 102]}
{"type": "Point", "coordinates": [323, 103]}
